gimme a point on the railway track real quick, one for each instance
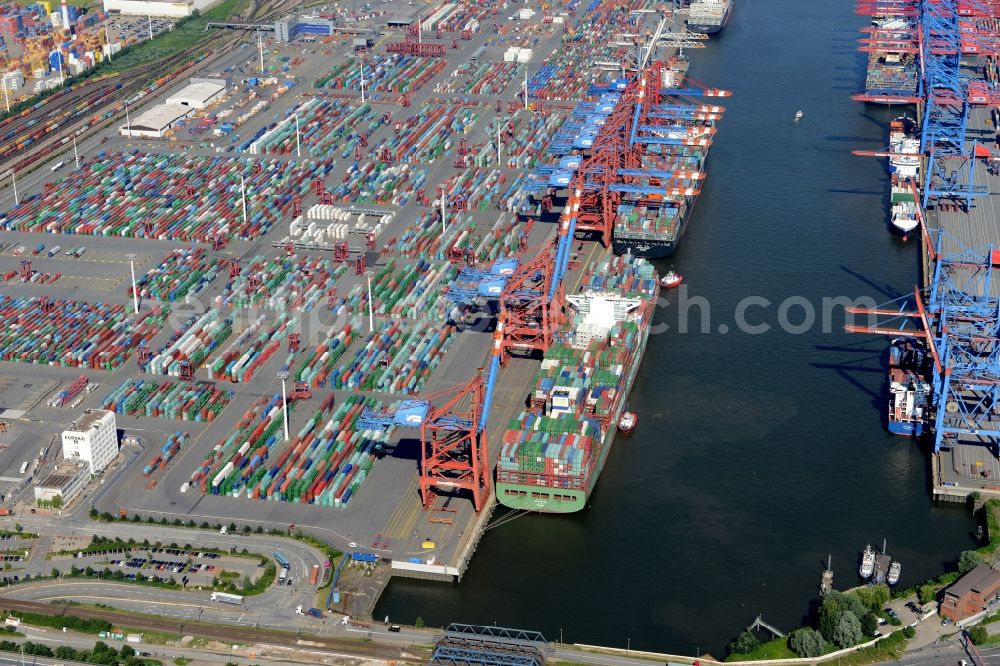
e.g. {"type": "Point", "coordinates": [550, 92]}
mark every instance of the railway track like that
{"type": "Point", "coordinates": [47, 127]}
{"type": "Point", "coordinates": [225, 633]}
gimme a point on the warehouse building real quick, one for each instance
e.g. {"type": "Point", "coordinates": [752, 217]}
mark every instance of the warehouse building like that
{"type": "Point", "coordinates": [288, 28]}
{"type": "Point", "coordinates": [65, 482]}
{"type": "Point", "coordinates": [154, 123]}
{"type": "Point", "coordinates": [93, 440]}
{"type": "Point", "coordinates": [969, 594]}
{"type": "Point", "coordinates": [168, 8]}
{"type": "Point", "coordinates": [199, 93]}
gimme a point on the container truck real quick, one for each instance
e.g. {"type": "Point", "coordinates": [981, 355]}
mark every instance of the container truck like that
{"type": "Point", "coordinates": [54, 251]}
{"type": "Point", "coordinates": [38, 249]}
{"type": "Point", "coordinates": [223, 597]}
{"type": "Point", "coordinates": [281, 559]}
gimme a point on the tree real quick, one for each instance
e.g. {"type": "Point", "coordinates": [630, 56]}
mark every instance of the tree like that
{"type": "Point", "coordinates": [807, 642]}
{"type": "Point", "coordinates": [57, 502]}
{"type": "Point", "coordinates": [868, 625]}
{"type": "Point", "coordinates": [419, 622]}
{"type": "Point", "coordinates": [55, 572]}
{"type": "Point", "coordinates": [978, 634]}
{"type": "Point", "coordinates": [93, 515]}
{"type": "Point", "coordinates": [926, 593]}
{"type": "Point", "coordinates": [18, 528]}
{"type": "Point", "coordinates": [848, 631]}
{"type": "Point", "coordinates": [909, 632]}
{"type": "Point", "coordinates": [873, 597]}
{"type": "Point", "coordinates": [969, 560]}
{"type": "Point", "coordinates": [66, 652]}
{"type": "Point", "coordinates": [745, 643]}
{"type": "Point", "coordinates": [126, 652]}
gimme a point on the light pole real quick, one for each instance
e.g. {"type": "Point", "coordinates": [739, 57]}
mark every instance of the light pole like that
{"type": "Point", "coordinates": [283, 375]}
{"type": "Point", "coordinates": [371, 311]}
{"type": "Point", "coordinates": [362, 63]}
{"type": "Point", "coordinates": [107, 40]}
{"type": "Point", "coordinates": [444, 195]}
{"type": "Point", "coordinates": [135, 291]}
{"type": "Point", "coordinates": [243, 196]}
{"type": "Point", "coordinates": [76, 155]}
{"type": "Point", "coordinates": [298, 140]}
{"type": "Point", "coordinates": [525, 87]}
{"type": "Point", "coordinates": [13, 181]}
{"type": "Point", "coordinates": [128, 120]}
{"type": "Point", "coordinates": [149, 17]}
{"type": "Point", "coordinates": [6, 98]}
{"type": "Point", "coordinates": [260, 49]}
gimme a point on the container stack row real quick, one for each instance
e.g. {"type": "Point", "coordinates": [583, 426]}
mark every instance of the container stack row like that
{"type": "Point", "coordinates": [395, 73]}
{"type": "Point", "coordinates": [399, 359]}
{"type": "Point", "coordinates": [200, 401]}
{"type": "Point", "coordinates": [170, 449]}
{"type": "Point", "coordinates": [323, 123]}
{"type": "Point", "coordinates": [481, 189]}
{"type": "Point", "coordinates": [321, 361]}
{"type": "Point", "coordinates": [194, 345]}
{"type": "Point", "coordinates": [427, 135]}
{"type": "Point", "coordinates": [73, 333]}
{"type": "Point", "coordinates": [245, 450]}
{"type": "Point", "coordinates": [167, 197]}
{"type": "Point", "coordinates": [481, 78]}
{"type": "Point", "coordinates": [327, 461]}
{"type": "Point", "coordinates": [181, 273]}
{"type": "Point", "coordinates": [415, 291]}
{"type": "Point", "coordinates": [251, 349]}
{"type": "Point", "coordinates": [379, 183]}
{"type": "Point", "coordinates": [297, 283]}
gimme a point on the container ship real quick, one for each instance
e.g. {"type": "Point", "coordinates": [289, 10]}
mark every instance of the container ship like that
{"type": "Point", "coordinates": [891, 74]}
{"type": "Point", "coordinates": [553, 453]}
{"type": "Point", "coordinates": [909, 391]}
{"type": "Point", "coordinates": [652, 226]}
{"type": "Point", "coordinates": [709, 16]}
{"type": "Point", "coordinates": [904, 166]}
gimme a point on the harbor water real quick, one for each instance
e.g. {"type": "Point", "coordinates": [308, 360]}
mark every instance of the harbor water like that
{"type": "Point", "coordinates": [756, 454]}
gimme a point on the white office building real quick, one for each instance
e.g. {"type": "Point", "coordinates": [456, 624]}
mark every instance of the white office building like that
{"type": "Point", "coordinates": [93, 440]}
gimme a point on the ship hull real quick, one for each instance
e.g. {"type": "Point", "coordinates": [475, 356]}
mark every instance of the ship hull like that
{"type": "Point", "coordinates": [706, 29]}
{"type": "Point", "coordinates": [643, 248]}
{"type": "Point", "coordinates": [906, 429]}
{"type": "Point", "coordinates": [545, 499]}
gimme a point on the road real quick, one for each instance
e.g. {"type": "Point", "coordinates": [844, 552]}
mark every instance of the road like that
{"type": "Point", "coordinates": [276, 606]}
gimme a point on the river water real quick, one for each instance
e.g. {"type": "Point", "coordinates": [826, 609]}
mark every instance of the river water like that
{"type": "Point", "coordinates": [756, 455]}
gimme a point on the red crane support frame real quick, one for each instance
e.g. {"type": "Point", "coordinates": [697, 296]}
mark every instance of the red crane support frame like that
{"type": "Point", "coordinates": [453, 457]}
{"type": "Point", "coordinates": [529, 319]}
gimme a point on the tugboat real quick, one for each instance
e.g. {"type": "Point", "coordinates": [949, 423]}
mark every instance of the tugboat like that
{"type": "Point", "coordinates": [798, 115]}
{"type": "Point", "coordinates": [626, 424]}
{"type": "Point", "coordinates": [671, 280]}
{"type": "Point", "coordinates": [867, 567]}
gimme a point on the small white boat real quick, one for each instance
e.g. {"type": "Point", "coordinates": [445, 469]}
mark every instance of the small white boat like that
{"type": "Point", "coordinates": [798, 115]}
{"type": "Point", "coordinates": [893, 577]}
{"type": "Point", "coordinates": [671, 279]}
{"type": "Point", "coordinates": [626, 423]}
{"type": "Point", "coordinates": [867, 567]}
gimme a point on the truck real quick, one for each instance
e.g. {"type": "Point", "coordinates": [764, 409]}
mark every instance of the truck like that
{"type": "Point", "coordinates": [79, 252]}
{"type": "Point", "coordinates": [281, 559]}
{"type": "Point", "coordinates": [314, 575]}
{"type": "Point", "coordinates": [38, 249]}
{"type": "Point", "coordinates": [315, 612]}
{"type": "Point", "coordinates": [54, 251]}
{"type": "Point", "coordinates": [223, 597]}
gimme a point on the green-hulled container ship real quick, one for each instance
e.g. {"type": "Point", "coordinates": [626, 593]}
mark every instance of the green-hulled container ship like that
{"type": "Point", "coordinates": [554, 452]}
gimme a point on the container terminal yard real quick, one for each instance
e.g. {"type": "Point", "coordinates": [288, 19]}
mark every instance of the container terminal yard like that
{"type": "Point", "coordinates": [949, 393]}
{"type": "Point", "coordinates": [388, 225]}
